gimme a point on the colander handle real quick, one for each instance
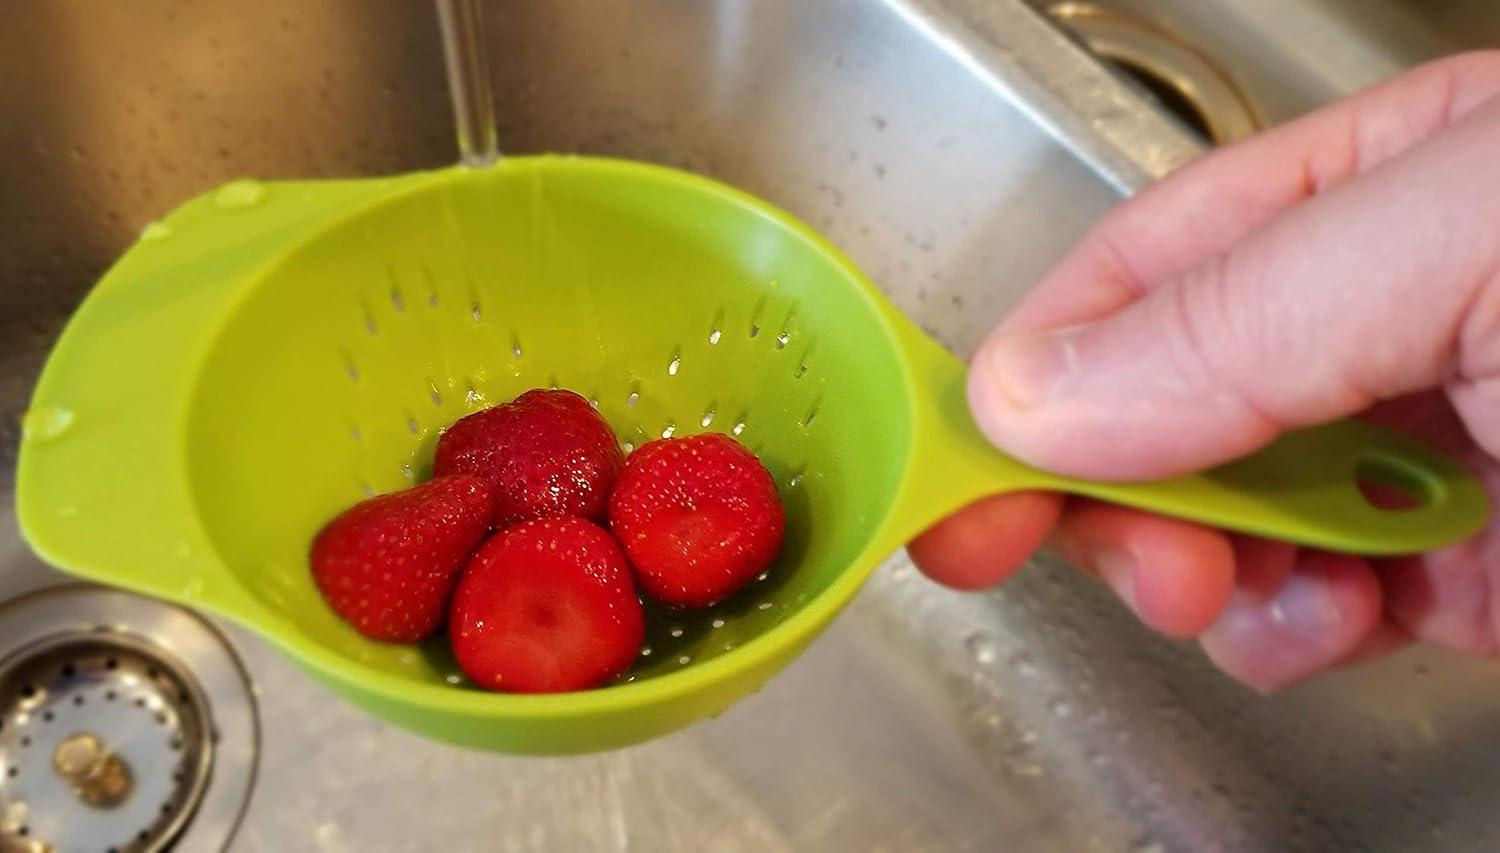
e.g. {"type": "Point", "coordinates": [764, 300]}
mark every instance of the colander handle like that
{"type": "Point", "coordinates": [1305, 487]}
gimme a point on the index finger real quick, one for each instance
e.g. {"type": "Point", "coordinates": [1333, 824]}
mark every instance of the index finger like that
{"type": "Point", "coordinates": [1208, 206]}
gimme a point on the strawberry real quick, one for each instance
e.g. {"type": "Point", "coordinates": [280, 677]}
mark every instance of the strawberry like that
{"type": "Point", "coordinates": [698, 517]}
{"type": "Point", "coordinates": [388, 564]}
{"type": "Point", "coordinates": [544, 607]}
{"type": "Point", "coordinates": [547, 452]}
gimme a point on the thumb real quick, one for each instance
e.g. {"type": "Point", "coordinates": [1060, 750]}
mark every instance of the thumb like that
{"type": "Point", "coordinates": [1382, 286]}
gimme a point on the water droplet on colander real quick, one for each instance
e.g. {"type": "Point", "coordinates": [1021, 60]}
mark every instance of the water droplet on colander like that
{"type": "Point", "coordinates": [635, 397]}
{"type": "Point", "coordinates": [46, 423]}
{"type": "Point", "coordinates": [717, 623]}
{"type": "Point", "coordinates": [239, 194]}
{"type": "Point", "coordinates": [407, 472]}
{"type": "Point", "coordinates": [453, 678]}
{"type": "Point", "coordinates": [645, 651]}
{"type": "Point", "coordinates": [800, 371]}
{"type": "Point", "coordinates": [795, 481]}
{"type": "Point", "coordinates": [434, 394]}
{"type": "Point", "coordinates": [783, 339]}
{"type": "Point", "coordinates": [676, 631]}
{"type": "Point", "coordinates": [629, 446]}
{"type": "Point", "coordinates": [714, 336]}
{"type": "Point", "coordinates": [668, 430]}
{"type": "Point", "coordinates": [764, 605]}
{"type": "Point", "coordinates": [739, 427]}
{"type": "Point", "coordinates": [412, 426]}
{"type": "Point", "coordinates": [155, 231]}
{"type": "Point", "coordinates": [674, 365]}
{"type": "Point", "coordinates": [763, 575]}
{"type": "Point", "coordinates": [684, 659]}
{"type": "Point", "coordinates": [708, 418]}
{"type": "Point", "coordinates": [981, 647]}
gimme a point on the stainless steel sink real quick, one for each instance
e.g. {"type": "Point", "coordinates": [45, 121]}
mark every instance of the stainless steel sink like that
{"type": "Point", "coordinates": [1035, 717]}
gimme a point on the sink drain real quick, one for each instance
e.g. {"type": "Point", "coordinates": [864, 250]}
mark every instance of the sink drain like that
{"type": "Point", "coordinates": [126, 724]}
{"type": "Point", "coordinates": [1182, 81]}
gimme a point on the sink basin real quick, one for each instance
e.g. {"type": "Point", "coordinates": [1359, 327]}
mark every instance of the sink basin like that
{"type": "Point", "coordinates": [1034, 717]}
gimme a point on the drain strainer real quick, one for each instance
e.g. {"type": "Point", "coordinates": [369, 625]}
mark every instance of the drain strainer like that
{"type": "Point", "coordinates": [126, 724]}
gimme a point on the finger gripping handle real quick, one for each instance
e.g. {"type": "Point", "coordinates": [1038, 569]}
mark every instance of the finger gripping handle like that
{"type": "Point", "coordinates": [1320, 487]}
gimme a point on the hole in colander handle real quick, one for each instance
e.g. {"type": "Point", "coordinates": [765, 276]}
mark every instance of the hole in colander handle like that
{"type": "Point", "coordinates": [1320, 487]}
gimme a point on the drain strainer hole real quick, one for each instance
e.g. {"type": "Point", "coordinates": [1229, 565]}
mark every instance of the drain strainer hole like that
{"type": "Point", "coordinates": [1170, 97]}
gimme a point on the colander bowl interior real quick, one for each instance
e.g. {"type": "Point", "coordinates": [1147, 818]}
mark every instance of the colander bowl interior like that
{"type": "Point", "coordinates": [679, 306]}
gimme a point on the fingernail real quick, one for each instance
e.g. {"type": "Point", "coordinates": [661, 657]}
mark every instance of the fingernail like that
{"type": "Point", "coordinates": [1117, 568]}
{"type": "Point", "coordinates": [1305, 605]}
{"type": "Point", "coordinates": [1026, 367]}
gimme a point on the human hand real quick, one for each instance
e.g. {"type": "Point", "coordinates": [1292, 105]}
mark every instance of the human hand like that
{"type": "Point", "coordinates": [1347, 263]}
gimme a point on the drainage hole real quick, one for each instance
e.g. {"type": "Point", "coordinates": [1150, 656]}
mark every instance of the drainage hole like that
{"type": "Point", "coordinates": [13, 771]}
{"type": "Point", "coordinates": [109, 695]}
{"type": "Point", "coordinates": [68, 670]}
{"type": "Point", "coordinates": [47, 716]}
{"type": "Point", "coordinates": [27, 691]}
{"type": "Point", "coordinates": [78, 700]}
{"type": "Point", "coordinates": [111, 663]}
{"type": "Point", "coordinates": [140, 702]}
{"type": "Point", "coordinates": [161, 718]}
{"type": "Point", "coordinates": [1169, 96]}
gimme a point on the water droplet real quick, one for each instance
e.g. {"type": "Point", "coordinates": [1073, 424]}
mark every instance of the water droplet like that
{"type": "Point", "coordinates": [708, 418]}
{"type": "Point", "coordinates": [473, 398]}
{"type": "Point", "coordinates": [676, 631]}
{"type": "Point", "coordinates": [1023, 664]}
{"type": "Point", "coordinates": [673, 365]}
{"type": "Point", "coordinates": [155, 231]}
{"type": "Point", "coordinates": [46, 423]}
{"type": "Point", "coordinates": [795, 481]}
{"type": "Point", "coordinates": [800, 371]}
{"type": "Point", "coordinates": [407, 472]}
{"type": "Point", "coordinates": [764, 605]}
{"type": "Point", "coordinates": [475, 313]}
{"type": "Point", "coordinates": [739, 427]}
{"type": "Point", "coordinates": [981, 647]}
{"type": "Point", "coordinates": [714, 336]}
{"type": "Point", "coordinates": [685, 659]}
{"type": "Point", "coordinates": [240, 194]}
{"type": "Point", "coordinates": [629, 446]}
{"type": "Point", "coordinates": [453, 678]}
{"type": "Point", "coordinates": [635, 397]}
{"type": "Point", "coordinates": [412, 426]}
{"type": "Point", "coordinates": [645, 651]}
{"type": "Point", "coordinates": [783, 339]}
{"type": "Point", "coordinates": [763, 575]}
{"type": "Point", "coordinates": [515, 346]}
{"type": "Point", "coordinates": [667, 430]}
{"type": "Point", "coordinates": [717, 623]}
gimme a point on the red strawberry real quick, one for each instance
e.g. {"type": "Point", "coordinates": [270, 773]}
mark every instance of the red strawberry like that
{"type": "Point", "coordinates": [544, 607]}
{"type": "Point", "coordinates": [547, 452]}
{"type": "Point", "coordinates": [388, 564]}
{"type": "Point", "coordinates": [698, 516]}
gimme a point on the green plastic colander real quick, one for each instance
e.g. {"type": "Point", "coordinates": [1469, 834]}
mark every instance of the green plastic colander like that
{"type": "Point", "coordinates": [271, 353]}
